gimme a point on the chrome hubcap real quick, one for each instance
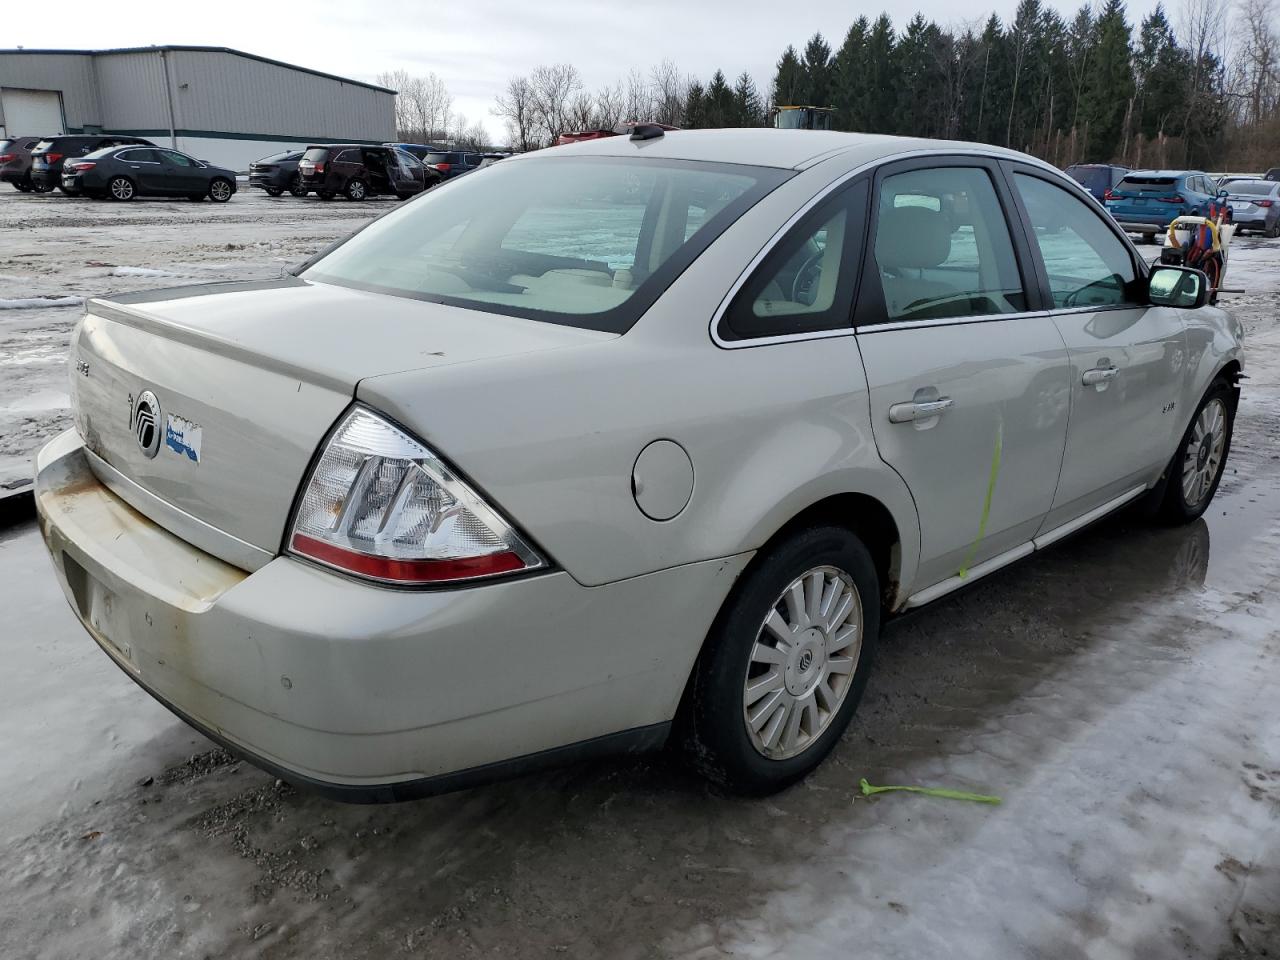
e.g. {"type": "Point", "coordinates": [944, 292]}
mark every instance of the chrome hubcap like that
{"type": "Point", "coordinates": [221, 190]}
{"type": "Point", "coordinates": [121, 189]}
{"type": "Point", "coordinates": [802, 663]}
{"type": "Point", "coordinates": [1203, 456]}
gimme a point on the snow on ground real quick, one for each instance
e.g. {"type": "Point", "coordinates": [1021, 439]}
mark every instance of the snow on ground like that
{"type": "Point", "coordinates": [55, 252]}
{"type": "Point", "coordinates": [1118, 691]}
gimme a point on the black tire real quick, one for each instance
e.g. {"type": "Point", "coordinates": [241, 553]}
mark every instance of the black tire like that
{"type": "Point", "coordinates": [221, 189]}
{"type": "Point", "coordinates": [356, 189]}
{"type": "Point", "coordinates": [1273, 231]}
{"type": "Point", "coordinates": [1175, 505]}
{"type": "Point", "coordinates": [1148, 238]}
{"type": "Point", "coordinates": [715, 730]}
{"type": "Point", "coordinates": [37, 187]}
{"type": "Point", "coordinates": [22, 186]}
{"type": "Point", "coordinates": [295, 186]}
{"type": "Point", "coordinates": [121, 189]}
{"type": "Point", "coordinates": [274, 191]}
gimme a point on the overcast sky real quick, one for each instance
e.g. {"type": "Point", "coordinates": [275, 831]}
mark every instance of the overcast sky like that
{"type": "Point", "coordinates": [476, 45]}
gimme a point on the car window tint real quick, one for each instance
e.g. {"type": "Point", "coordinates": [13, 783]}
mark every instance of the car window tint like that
{"type": "Point", "coordinates": [1087, 264]}
{"type": "Point", "coordinates": [347, 156]}
{"type": "Point", "coordinates": [139, 155]}
{"type": "Point", "coordinates": [805, 284]}
{"type": "Point", "coordinates": [942, 246]}
{"type": "Point", "coordinates": [177, 159]}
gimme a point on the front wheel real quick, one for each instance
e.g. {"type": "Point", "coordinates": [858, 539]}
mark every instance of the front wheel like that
{"type": "Point", "coordinates": [274, 191]}
{"type": "Point", "coordinates": [356, 190]}
{"type": "Point", "coordinates": [121, 188]}
{"type": "Point", "coordinates": [295, 186]}
{"type": "Point", "coordinates": [786, 662]}
{"type": "Point", "coordinates": [220, 190]}
{"type": "Point", "coordinates": [1196, 469]}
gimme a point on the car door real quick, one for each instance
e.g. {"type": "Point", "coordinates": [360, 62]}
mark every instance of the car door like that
{"type": "Point", "coordinates": [181, 174]}
{"type": "Point", "coordinates": [968, 376]}
{"type": "Point", "coordinates": [1126, 355]}
{"type": "Point", "coordinates": [143, 165]}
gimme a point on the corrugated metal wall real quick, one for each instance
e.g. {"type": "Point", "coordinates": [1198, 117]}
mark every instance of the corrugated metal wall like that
{"type": "Point", "coordinates": [71, 73]}
{"type": "Point", "coordinates": [225, 93]}
{"type": "Point", "coordinates": [214, 93]}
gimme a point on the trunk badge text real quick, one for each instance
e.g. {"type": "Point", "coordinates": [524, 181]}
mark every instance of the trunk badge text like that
{"type": "Point", "coordinates": [82, 367]}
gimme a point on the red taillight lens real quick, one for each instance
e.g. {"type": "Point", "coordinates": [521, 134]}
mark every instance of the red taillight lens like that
{"type": "Point", "coordinates": [1176, 198]}
{"type": "Point", "coordinates": [81, 165]}
{"type": "Point", "coordinates": [1264, 203]}
{"type": "Point", "coordinates": [6, 157]}
{"type": "Point", "coordinates": [381, 505]}
{"type": "Point", "coordinates": [53, 157]}
{"type": "Point", "coordinates": [442, 167]}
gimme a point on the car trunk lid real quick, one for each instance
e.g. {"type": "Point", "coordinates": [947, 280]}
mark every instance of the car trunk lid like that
{"type": "Point", "coordinates": [242, 381]}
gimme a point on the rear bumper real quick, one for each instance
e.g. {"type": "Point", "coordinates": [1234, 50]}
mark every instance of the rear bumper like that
{"type": "Point", "coordinates": [47, 178]}
{"type": "Point", "coordinates": [365, 692]}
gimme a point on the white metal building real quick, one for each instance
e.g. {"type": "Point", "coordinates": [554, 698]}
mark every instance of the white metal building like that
{"type": "Point", "coordinates": [215, 103]}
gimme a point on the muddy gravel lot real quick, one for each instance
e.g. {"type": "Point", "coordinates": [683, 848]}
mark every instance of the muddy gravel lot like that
{"type": "Point", "coordinates": [1120, 692]}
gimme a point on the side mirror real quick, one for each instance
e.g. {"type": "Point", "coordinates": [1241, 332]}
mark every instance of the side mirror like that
{"type": "Point", "coordinates": [1184, 287]}
{"type": "Point", "coordinates": [1222, 193]}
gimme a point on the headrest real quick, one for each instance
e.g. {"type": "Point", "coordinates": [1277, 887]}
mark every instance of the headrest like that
{"type": "Point", "coordinates": [912, 237]}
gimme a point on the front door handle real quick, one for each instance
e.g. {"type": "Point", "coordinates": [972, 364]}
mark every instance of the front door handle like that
{"type": "Point", "coordinates": [1099, 375]}
{"type": "Point", "coordinates": [909, 412]}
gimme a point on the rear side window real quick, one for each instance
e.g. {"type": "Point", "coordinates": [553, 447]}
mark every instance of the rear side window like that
{"type": "Point", "coordinates": [177, 159]}
{"type": "Point", "coordinates": [1087, 264]}
{"type": "Point", "coordinates": [139, 155]}
{"type": "Point", "coordinates": [806, 282]}
{"type": "Point", "coordinates": [942, 246]}
{"type": "Point", "coordinates": [348, 156]}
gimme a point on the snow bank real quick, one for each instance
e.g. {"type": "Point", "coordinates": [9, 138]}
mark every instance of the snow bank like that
{"type": "Point", "coordinates": [31, 303]}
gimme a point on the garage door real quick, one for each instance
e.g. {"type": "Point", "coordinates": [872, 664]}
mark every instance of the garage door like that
{"type": "Point", "coordinates": [31, 113]}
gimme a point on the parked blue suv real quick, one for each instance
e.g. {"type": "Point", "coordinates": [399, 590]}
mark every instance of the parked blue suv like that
{"type": "Point", "coordinates": [1145, 201]}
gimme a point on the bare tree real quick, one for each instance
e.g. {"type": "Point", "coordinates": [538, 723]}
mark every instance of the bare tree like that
{"type": "Point", "coordinates": [1259, 60]}
{"type": "Point", "coordinates": [424, 105]}
{"type": "Point", "coordinates": [582, 111]}
{"type": "Point", "coordinates": [610, 106]}
{"type": "Point", "coordinates": [1203, 25]}
{"type": "Point", "coordinates": [637, 97]}
{"type": "Point", "coordinates": [553, 86]}
{"type": "Point", "coordinates": [669, 90]}
{"type": "Point", "coordinates": [516, 109]}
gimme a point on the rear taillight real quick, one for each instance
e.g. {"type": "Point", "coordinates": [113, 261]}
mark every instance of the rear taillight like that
{"type": "Point", "coordinates": [80, 165]}
{"type": "Point", "coordinates": [318, 168]}
{"type": "Point", "coordinates": [1176, 198]}
{"type": "Point", "coordinates": [1264, 203]}
{"type": "Point", "coordinates": [6, 157]}
{"type": "Point", "coordinates": [1108, 195]}
{"type": "Point", "coordinates": [381, 505]}
{"type": "Point", "coordinates": [53, 157]}
{"type": "Point", "coordinates": [442, 167]}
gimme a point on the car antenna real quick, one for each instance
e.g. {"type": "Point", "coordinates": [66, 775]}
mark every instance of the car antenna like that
{"type": "Point", "coordinates": [647, 131]}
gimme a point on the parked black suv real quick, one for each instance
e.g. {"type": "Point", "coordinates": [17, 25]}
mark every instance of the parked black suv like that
{"type": "Point", "coordinates": [15, 162]}
{"type": "Point", "coordinates": [1098, 178]}
{"type": "Point", "coordinates": [361, 171]}
{"type": "Point", "coordinates": [278, 173]}
{"type": "Point", "coordinates": [49, 155]}
{"type": "Point", "coordinates": [453, 163]}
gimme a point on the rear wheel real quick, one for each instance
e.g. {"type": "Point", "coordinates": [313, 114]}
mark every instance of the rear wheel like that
{"type": "Point", "coordinates": [1273, 231]}
{"type": "Point", "coordinates": [22, 186]}
{"type": "Point", "coordinates": [274, 191]}
{"type": "Point", "coordinates": [1148, 238]}
{"type": "Point", "coordinates": [220, 190]}
{"type": "Point", "coordinates": [121, 188]}
{"type": "Point", "coordinates": [356, 190]}
{"type": "Point", "coordinates": [295, 186]}
{"type": "Point", "coordinates": [786, 662]}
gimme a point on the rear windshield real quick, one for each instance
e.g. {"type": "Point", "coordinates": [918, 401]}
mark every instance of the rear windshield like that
{"type": "Point", "coordinates": [316, 154]}
{"type": "Point", "coordinates": [1090, 176]}
{"type": "Point", "coordinates": [1147, 184]}
{"type": "Point", "coordinates": [5, 145]}
{"type": "Point", "coordinates": [582, 241]}
{"type": "Point", "coordinates": [442, 158]}
{"type": "Point", "coordinates": [42, 145]}
{"type": "Point", "coordinates": [1250, 188]}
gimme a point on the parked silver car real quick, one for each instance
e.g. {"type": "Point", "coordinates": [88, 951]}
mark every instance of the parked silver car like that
{"type": "Point", "coordinates": [633, 440]}
{"type": "Point", "coordinates": [1255, 205]}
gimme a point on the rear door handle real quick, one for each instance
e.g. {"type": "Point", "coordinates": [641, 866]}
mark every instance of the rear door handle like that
{"type": "Point", "coordinates": [908, 412]}
{"type": "Point", "coordinates": [1099, 375]}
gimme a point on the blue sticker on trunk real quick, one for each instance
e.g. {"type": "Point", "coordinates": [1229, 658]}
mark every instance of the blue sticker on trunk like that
{"type": "Point", "coordinates": [183, 437]}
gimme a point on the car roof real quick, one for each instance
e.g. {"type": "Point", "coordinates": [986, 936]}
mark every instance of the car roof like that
{"type": "Point", "coordinates": [1168, 173]}
{"type": "Point", "coordinates": [768, 147]}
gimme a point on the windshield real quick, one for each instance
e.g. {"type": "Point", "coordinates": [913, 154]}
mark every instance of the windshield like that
{"type": "Point", "coordinates": [582, 241]}
{"type": "Point", "coordinates": [1250, 188]}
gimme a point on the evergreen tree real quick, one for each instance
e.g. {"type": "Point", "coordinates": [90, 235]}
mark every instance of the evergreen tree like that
{"type": "Point", "coordinates": [920, 82]}
{"type": "Point", "coordinates": [849, 79]}
{"type": "Point", "coordinates": [817, 72]}
{"type": "Point", "coordinates": [788, 85]}
{"type": "Point", "coordinates": [882, 80]}
{"type": "Point", "coordinates": [694, 107]}
{"type": "Point", "coordinates": [1108, 86]}
{"type": "Point", "coordinates": [748, 110]}
{"type": "Point", "coordinates": [718, 110]}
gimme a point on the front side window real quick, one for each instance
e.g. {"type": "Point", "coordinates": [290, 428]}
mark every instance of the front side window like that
{"type": "Point", "coordinates": [805, 283]}
{"type": "Point", "coordinates": [942, 246]}
{"type": "Point", "coordinates": [582, 241]}
{"type": "Point", "coordinates": [1087, 264]}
